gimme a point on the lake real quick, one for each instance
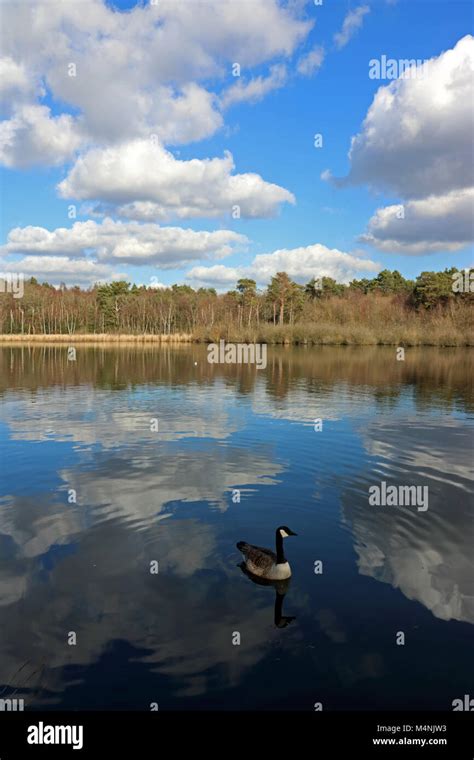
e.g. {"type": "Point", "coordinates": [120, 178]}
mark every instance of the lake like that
{"type": "Point", "coordinates": [129, 474]}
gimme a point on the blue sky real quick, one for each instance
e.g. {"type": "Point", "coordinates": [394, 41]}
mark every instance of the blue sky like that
{"type": "Point", "coordinates": [270, 135]}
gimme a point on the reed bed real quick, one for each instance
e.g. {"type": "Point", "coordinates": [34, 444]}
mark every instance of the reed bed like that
{"type": "Point", "coordinates": [95, 338]}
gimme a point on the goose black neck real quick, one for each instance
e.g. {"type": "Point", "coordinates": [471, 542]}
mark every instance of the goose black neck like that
{"type": "Point", "coordinates": [279, 548]}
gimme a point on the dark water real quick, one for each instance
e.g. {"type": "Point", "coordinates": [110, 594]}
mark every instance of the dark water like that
{"type": "Point", "coordinates": [166, 496]}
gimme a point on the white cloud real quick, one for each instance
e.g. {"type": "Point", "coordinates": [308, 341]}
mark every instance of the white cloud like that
{"type": "Point", "coordinates": [14, 80]}
{"type": "Point", "coordinates": [127, 242]}
{"type": "Point", "coordinates": [154, 283]}
{"type": "Point", "coordinates": [436, 223]}
{"type": "Point", "coordinates": [56, 269]}
{"type": "Point", "coordinates": [311, 62]}
{"type": "Point", "coordinates": [417, 136]}
{"type": "Point", "coordinates": [300, 263]}
{"type": "Point", "coordinates": [416, 141]}
{"type": "Point", "coordinates": [186, 116]}
{"type": "Point", "coordinates": [144, 71]}
{"type": "Point", "coordinates": [33, 136]}
{"type": "Point", "coordinates": [173, 42]}
{"type": "Point", "coordinates": [218, 275]}
{"type": "Point", "coordinates": [255, 89]}
{"type": "Point", "coordinates": [147, 182]}
{"type": "Point", "coordinates": [352, 22]}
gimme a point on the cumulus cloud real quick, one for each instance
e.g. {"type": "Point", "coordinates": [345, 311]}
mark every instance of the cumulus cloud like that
{"type": "Point", "coordinates": [127, 242]}
{"type": "Point", "coordinates": [436, 223]}
{"type": "Point", "coordinates": [33, 136]}
{"type": "Point", "coordinates": [185, 117]}
{"type": "Point", "coordinates": [14, 80]}
{"type": "Point", "coordinates": [300, 263]}
{"type": "Point", "coordinates": [352, 22]}
{"type": "Point", "coordinates": [144, 181]}
{"type": "Point", "coordinates": [56, 269]}
{"type": "Point", "coordinates": [417, 135]}
{"type": "Point", "coordinates": [216, 276]}
{"type": "Point", "coordinates": [311, 62]}
{"type": "Point", "coordinates": [416, 142]}
{"type": "Point", "coordinates": [255, 89]}
{"type": "Point", "coordinates": [144, 71]}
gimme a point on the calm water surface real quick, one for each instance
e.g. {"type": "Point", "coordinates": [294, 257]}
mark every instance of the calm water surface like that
{"type": "Point", "coordinates": [167, 496]}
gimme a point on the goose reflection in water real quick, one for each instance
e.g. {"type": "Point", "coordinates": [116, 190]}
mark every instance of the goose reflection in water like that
{"type": "Point", "coordinates": [281, 589]}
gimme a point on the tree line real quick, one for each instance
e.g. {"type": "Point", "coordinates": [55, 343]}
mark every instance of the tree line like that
{"type": "Point", "coordinates": [119, 307]}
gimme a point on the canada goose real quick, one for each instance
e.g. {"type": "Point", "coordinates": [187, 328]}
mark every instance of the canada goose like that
{"type": "Point", "coordinates": [281, 587]}
{"type": "Point", "coordinates": [263, 562]}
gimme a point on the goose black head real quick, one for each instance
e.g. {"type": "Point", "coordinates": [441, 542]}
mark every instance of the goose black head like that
{"type": "Point", "coordinates": [285, 531]}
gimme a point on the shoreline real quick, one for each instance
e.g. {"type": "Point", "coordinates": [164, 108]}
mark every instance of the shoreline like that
{"type": "Point", "coordinates": [94, 338]}
{"type": "Point", "coordinates": [341, 339]}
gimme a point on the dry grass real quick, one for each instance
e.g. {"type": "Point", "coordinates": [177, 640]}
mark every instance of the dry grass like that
{"type": "Point", "coordinates": [96, 338]}
{"type": "Point", "coordinates": [322, 334]}
{"type": "Point", "coordinates": [325, 334]}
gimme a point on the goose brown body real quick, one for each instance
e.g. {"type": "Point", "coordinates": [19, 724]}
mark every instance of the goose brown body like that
{"type": "Point", "coordinates": [265, 563]}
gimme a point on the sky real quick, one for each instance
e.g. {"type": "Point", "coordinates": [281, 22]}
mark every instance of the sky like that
{"type": "Point", "coordinates": [200, 142]}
